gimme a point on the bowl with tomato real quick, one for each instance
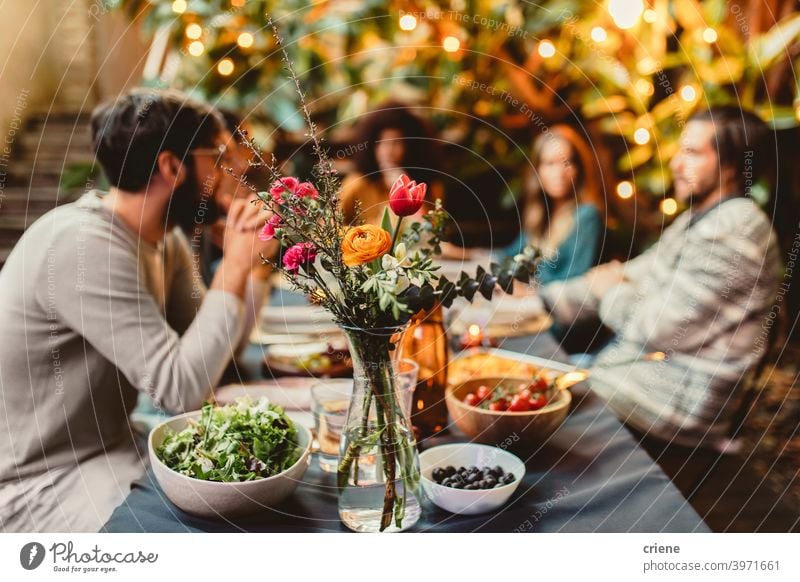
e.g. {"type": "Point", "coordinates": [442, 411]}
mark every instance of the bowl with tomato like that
{"type": "Point", "coordinates": [518, 411]}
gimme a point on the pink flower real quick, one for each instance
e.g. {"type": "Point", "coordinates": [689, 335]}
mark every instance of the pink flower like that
{"type": "Point", "coordinates": [298, 255]}
{"type": "Point", "coordinates": [268, 230]}
{"type": "Point", "coordinates": [406, 196]}
{"type": "Point", "coordinates": [306, 190]}
{"type": "Point", "coordinates": [287, 184]}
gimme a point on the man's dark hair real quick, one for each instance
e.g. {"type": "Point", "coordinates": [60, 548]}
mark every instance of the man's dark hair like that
{"type": "Point", "coordinates": [742, 142]}
{"type": "Point", "coordinates": [129, 133]}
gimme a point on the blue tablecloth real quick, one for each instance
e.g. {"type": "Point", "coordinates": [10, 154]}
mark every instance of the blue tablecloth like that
{"type": "Point", "coordinates": [590, 476]}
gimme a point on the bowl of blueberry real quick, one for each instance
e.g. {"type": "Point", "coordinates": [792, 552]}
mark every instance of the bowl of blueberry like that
{"type": "Point", "coordinates": [469, 478]}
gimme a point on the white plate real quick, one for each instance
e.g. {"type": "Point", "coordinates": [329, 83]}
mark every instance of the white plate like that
{"type": "Point", "coordinates": [307, 314]}
{"type": "Point", "coordinates": [290, 393]}
{"type": "Point", "coordinates": [294, 320]}
{"type": "Point", "coordinates": [519, 357]}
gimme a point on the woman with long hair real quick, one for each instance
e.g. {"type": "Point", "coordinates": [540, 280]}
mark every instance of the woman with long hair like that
{"type": "Point", "coordinates": [563, 206]}
{"type": "Point", "coordinates": [391, 141]}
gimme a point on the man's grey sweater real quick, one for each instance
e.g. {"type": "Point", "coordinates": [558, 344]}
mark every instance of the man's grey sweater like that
{"type": "Point", "coordinates": [90, 314]}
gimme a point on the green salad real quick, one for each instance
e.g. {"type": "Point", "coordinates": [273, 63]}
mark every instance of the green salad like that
{"type": "Point", "coordinates": [238, 442]}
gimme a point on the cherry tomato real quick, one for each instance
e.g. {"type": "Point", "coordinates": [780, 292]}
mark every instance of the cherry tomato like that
{"type": "Point", "coordinates": [519, 404]}
{"type": "Point", "coordinates": [499, 405]}
{"type": "Point", "coordinates": [483, 393]}
{"type": "Point", "coordinates": [524, 393]}
{"type": "Point", "coordinates": [472, 400]}
{"type": "Point", "coordinates": [538, 402]}
{"type": "Point", "coordinates": [539, 384]}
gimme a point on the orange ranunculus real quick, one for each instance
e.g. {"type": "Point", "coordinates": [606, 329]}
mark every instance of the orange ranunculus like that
{"type": "Point", "coordinates": [362, 244]}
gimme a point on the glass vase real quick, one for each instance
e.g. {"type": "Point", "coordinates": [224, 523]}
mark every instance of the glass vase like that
{"type": "Point", "coordinates": [378, 472]}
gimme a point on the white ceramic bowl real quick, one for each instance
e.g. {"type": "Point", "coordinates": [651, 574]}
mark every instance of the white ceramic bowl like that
{"type": "Point", "coordinates": [469, 502]}
{"type": "Point", "coordinates": [214, 499]}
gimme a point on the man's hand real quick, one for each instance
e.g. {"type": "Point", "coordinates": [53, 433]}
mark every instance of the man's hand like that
{"type": "Point", "coordinates": [241, 243]}
{"type": "Point", "coordinates": [604, 277]}
{"type": "Point", "coordinates": [242, 249]}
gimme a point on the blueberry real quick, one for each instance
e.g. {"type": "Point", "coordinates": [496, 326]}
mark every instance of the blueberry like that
{"type": "Point", "coordinates": [471, 487]}
{"type": "Point", "coordinates": [450, 470]}
{"type": "Point", "coordinates": [457, 485]}
{"type": "Point", "coordinates": [490, 482]}
{"type": "Point", "coordinates": [446, 482]}
{"type": "Point", "coordinates": [473, 478]}
{"type": "Point", "coordinates": [438, 475]}
{"type": "Point", "coordinates": [509, 478]}
{"type": "Point", "coordinates": [461, 469]}
{"type": "Point", "coordinates": [473, 469]}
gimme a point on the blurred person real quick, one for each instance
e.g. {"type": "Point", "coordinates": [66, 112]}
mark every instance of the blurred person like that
{"type": "Point", "coordinates": [562, 213]}
{"type": "Point", "coordinates": [391, 141]}
{"type": "Point", "coordinates": [100, 301]}
{"type": "Point", "coordinates": [207, 250]}
{"type": "Point", "coordinates": [689, 313]}
{"type": "Point", "coordinates": [228, 188]}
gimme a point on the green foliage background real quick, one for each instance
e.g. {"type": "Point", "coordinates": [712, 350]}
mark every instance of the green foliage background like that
{"type": "Point", "coordinates": [351, 55]}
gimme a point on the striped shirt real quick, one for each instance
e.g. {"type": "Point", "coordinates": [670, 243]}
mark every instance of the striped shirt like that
{"type": "Point", "coordinates": [705, 295]}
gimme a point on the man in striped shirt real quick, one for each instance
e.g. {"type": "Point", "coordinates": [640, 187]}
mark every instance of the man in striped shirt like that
{"type": "Point", "coordinates": [702, 295]}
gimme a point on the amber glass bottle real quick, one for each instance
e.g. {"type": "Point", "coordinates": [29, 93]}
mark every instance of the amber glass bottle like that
{"type": "Point", "coordinates": [425, 342]}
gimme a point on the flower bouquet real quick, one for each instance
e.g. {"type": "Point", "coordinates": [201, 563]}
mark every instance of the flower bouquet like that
{"type": "Point", "coordinates": [373, 280]}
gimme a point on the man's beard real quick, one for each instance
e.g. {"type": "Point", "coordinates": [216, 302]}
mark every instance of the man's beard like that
{"type": "Point", "coordinates": [190, 207]}
{"type": "Point", "coordinates": [698, 193]}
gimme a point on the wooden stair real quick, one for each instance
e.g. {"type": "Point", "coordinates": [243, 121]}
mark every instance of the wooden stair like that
{"type": "Point", "coordinates": [48, 146]}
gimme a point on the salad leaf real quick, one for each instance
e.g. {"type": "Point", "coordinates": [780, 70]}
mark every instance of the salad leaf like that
{"type": "Point", "coordinates": [238, 442]}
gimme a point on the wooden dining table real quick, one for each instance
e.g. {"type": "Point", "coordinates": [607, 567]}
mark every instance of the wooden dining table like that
{"type": "Point", "coordinates": [589, 476]}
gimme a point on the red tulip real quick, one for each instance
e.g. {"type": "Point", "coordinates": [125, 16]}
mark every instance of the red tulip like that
{"type": "Point", "coordinates": [406, 196]}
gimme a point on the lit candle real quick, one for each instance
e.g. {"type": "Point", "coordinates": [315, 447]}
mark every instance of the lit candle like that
{"type": "Point", "coordinates": [474, 337]}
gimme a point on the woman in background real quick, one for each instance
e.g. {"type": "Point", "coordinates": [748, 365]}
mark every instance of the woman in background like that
{"type": "Point", "coordinates": [391, 141]}
{"type": "Point", "coordinates": [563, 207]}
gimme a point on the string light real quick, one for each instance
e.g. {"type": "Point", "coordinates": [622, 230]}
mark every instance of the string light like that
{"type": "Point", "coordinates": [710, 35]}
{"type": "Point", "coordinates": [408, 22]}
{"type": "Point", "coordinates": [599, 34]}
{"type": "Point", "coordinates": [225, 67]}
{"type": "Point", "coordinates": [625, 13]}
{"type": "Point", "coordinates": [625, 189]}
{"type": "Point", "coordinates": [194, 31]}
{"type": "Point", "coordinates": [245, 40]}
{"type": "Point", "coordinates": [547, 49]}
{"type": "Point", "coordinates": [688, 93]}
{"type": "Point", "coordinates": [650, 16]}
{"type": "Point", "coordinates": [237, 3]}
{"type": "Point", "coordinates": [451, 44]}
{"type": "Point", "coordinates": [196, 48]}
{"type": "Point", "coordinates": [669, 206]}
{"type": "Point", "coordinates": [644, 87]}
{"type": "Point", "coordinates": [179, 6]}
{"type": "Point", "coordinates": [641, 136]}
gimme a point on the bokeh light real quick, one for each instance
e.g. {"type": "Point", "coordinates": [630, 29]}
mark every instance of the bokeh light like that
{"type": "Point", "coordinates": [641, 136]}
{"type": "Point", "coordinates": [625, 189]}
{"type": "Point", "coordinates": [408, 22]}
{"type": "Point", "coordinates": [625, 13]}
{"type": "Point", "coordinates": [225, 67]}
{"type": "Point", "coordinates": [547, 49]}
